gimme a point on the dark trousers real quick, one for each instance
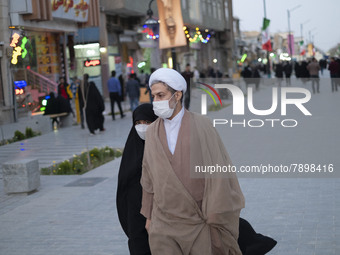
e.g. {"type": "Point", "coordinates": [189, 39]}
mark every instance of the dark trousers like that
{"type": "Point", "coordinates": [315, 79]}
{"type": "Point", "coordinates": [187, 99]}
{"type": "Point", "coordinates": [334, 82]}
{"type": "Point", "coordinates": [114, 97]}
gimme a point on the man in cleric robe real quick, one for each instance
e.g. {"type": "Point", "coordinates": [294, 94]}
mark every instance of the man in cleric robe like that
{"type": "Point", "coordinates": [186, 215]}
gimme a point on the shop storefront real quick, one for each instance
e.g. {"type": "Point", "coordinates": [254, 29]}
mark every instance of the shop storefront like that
{"type": "Point", "coordinates": [39, 49]}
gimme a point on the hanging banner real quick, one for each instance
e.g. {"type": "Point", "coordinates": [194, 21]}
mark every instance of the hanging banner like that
{"type": "Point", "coordinates": [310, 50]}
{"type": "Point", "coordinates": [171, 24]}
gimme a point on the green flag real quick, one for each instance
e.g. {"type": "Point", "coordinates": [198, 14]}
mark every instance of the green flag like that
{"type": "Point", "coordinates": [266, 23]}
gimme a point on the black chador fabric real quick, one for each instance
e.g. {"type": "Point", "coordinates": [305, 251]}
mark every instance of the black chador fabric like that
{"type": "Point", "coordinates": [94, 107]}
{"type": "Point", "coordinates": [129, 192]}
{"type": "Point", "coordinates": [252, 243]}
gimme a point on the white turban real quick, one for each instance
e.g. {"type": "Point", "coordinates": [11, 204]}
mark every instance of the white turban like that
{"type": "Point", "coordinates": [169, 76]}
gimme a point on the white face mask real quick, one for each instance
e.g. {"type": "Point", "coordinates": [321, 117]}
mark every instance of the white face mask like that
{"type": "Point", "coordinates": [162, 108]}
{"type": "Point", "coordinates": [141, 130]}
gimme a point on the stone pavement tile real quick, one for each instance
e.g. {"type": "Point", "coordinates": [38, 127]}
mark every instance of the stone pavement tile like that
{"type": "Point", "coordinates": [68, 220]}
{"type": "Point", "coordinates": [298, 213]}
{"type": "Point", "coordinates": [306, 249]}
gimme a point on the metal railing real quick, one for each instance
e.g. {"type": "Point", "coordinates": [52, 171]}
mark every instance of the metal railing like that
{"type": "Point", "coordinates": [40, 82]}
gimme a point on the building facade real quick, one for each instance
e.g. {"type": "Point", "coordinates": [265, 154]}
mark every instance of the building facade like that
{"type": "Point", "coordinates": [37, 41]}
{"type": "Point", "coordinates": [70, 38]}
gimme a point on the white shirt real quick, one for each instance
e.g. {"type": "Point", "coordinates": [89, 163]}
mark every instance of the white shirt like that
{"type": "Point", "coordinates": [172, 128]}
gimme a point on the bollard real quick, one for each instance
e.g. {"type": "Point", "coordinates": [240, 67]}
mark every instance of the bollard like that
{"type": "Point", "coordinates": [21, 176]}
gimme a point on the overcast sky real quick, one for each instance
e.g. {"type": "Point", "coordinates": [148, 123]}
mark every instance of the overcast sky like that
{"type": "Point", "coordinates": [321, 17]}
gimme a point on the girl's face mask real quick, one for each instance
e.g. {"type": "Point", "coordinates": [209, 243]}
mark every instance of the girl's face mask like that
{"type": "Point", "coordinates": [141, 130]}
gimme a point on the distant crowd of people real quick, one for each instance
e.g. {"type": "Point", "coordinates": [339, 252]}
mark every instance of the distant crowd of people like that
{"type": "Point", "coordinates": [304, 70]}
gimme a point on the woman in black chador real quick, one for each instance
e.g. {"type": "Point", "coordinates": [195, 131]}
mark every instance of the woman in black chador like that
{"type": "Point", "coordinates": [129, 194]}
{"type": "Point", "coordinates": [94, 106]}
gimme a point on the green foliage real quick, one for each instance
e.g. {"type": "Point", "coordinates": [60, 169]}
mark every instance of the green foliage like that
{"type": "Point", "coordinates": [95, 154]}
{"type": "Point", "coordinates": [84, 162]}
{"type": "Point", "coordinates": [108, 152]}
{"type": "Point", "coordinates": [64, 168]}
{"type": "Point", "coordinates": [77, 165]}
{"type": "Point", "coordinates": [84, 156]}
{"type": "Point", "coordinates": [18, 136]}
{"type": "Point", "coordinates": [118, 153]}
{"type": "Point", "coordinates": [29, 132]}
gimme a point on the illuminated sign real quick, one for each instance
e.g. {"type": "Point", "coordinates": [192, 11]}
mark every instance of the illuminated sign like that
{"type": "Point", "coordinates": [18, 50]}
{"type": "Point", "coordinates": [15, 54]}
{"type": "Point", "coordinates": [93, 62]}
{"type": "Point", "coordinates": [23, 43]}
{"type": "Point", "coordinates": [15, 40]}
{"type": "Point", "coordinates": [20, 84]}
{"type": "Point", "coordinates": [19, 91]}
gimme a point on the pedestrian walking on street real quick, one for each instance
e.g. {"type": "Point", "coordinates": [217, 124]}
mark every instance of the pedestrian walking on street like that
{"type": "Point", "coordinates": [323, 65]}
{"type": "Point", "coordinates": [278, 68]}
{"type": "Point", "coordinates": [287, 69]}
{"type": "Point", "coordinates": [79, 101]}
{"type": "Point", "coordinates": [313, 69]}
{"type": "Point", "coordinates": [65, 91]}
{"type": "Point", "coordinates": [94, 106]}
{"type": "Point", "coordinates": [142, 77]}
{"type": "Point", "coordinates": [256, 77]}
{"type": "Point", "coordinates": [186, 215]}
{"type": "Point", "coordinates": [187, 74]}
{"type": "Point", "coordinates": [247, 74]}
{"type": "Point", "coordinates": [334, 69]}
{"type": "Point", "coordinates": [115, 90]}
{"type": "Point", "coordinates": [129, 190]}
{"type": "Point", "coordinates": [133, 91]}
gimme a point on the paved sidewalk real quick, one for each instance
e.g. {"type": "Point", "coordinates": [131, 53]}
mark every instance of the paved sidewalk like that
{"type": "Point", "coordinates": [302, 214]}
{"type": "Point", "coordinates": [64, 143]}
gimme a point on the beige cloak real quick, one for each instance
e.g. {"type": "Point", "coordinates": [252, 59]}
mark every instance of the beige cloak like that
{"type": "Point", "coordinates": [185, 220]}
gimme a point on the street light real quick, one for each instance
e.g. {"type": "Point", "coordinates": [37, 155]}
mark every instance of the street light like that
{"type": "Point", "coordinates": [301, 28]}
{"type": "Point", "coordinates": [150, 21]}
{"type": "Point", "coordinates": [289, 36]}
{"type": "Point", "coordinates": [310, 34]}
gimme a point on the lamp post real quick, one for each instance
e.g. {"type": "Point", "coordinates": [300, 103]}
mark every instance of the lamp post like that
{"type": "Point", "coordinates": [310, 34]}
{"type": "Point", "coordinates": [301, 27]}
{"type": "Point", "coordinates": [289, 36]}
{"type": "Point", "coordinates": [268, 60]}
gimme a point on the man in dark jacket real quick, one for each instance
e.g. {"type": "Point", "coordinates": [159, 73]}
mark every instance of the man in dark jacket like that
{"type": "Point", "coordinates": [187, 74]}
{"type": "Point", "coordinates": [133, 91]}
{"type": "Point", "coordinates": [334, 69]}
